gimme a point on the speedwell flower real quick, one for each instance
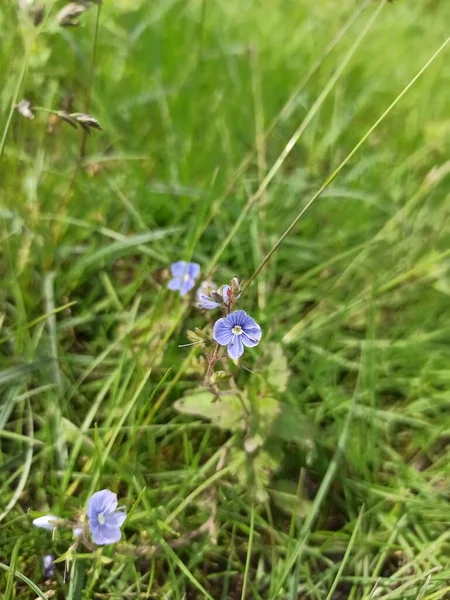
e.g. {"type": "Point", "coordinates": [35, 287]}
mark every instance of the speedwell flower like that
{"type": "Point", "coordinates": [204, 292]}
{"type": "Point", "coordinates": [235, 331]}
{"type": "Point", "coordinates": [184, 275]}
{"type": "Point", "coordinates": [47, 564]}
{"type": "Point", "coordinates": [104, 520]}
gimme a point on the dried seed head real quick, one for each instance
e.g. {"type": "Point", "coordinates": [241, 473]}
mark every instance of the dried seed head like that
{"type": "Point", "coordinates": [68, 15]}
{"type": "Point", "coordinates": [235, 286]}
{"type": "Point", "coordinates": [24, 108]}
{"type": "Point", "coordinates": [37, 14]}
{"type": "Point", "coordinates": [62, 114]}
{"type": "Point", "coordinates": [87, 122]}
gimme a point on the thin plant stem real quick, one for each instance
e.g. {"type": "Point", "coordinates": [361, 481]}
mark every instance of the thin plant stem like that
{"type": "Point", "coordinates": [14, 102]}
{"type": "Point", "coordinates": [91, 79]}
{"type": "Point", "coordinates": [254, 198]}
{"type": "Point", "coordinates": [349, 156]}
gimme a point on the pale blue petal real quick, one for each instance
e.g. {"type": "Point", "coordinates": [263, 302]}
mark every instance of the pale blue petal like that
{"type": "Point", "coordinates": [105, 534]}
{"type": "Point", "coordinates": [248, 322]}
{"type": "Point", "coordinates": [235, 347]}
{"type": "Point", "coordinates": [115, 519]}
{"type": "Point", "coordinates": [237, 317]}
{"type": "Point", "coordinates": [175, 284]}
{"type": "Point", "coordinates": [186, 286]}
{"type": "Point", "coordinates": [180, 268]}
{"type": "Point", "coordinates": [222, 331]}
{"type": "Point", "coordinates": [193, 270]}
{"type": "Point", "coordinates": [206, 303]}
{"type": "Point", "coordinates": [251, 337]}
{"type": "Point", "coordinates": [104, 501]}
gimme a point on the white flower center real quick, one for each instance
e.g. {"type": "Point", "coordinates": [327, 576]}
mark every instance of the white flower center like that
{"type": "Point", "coordinates": [237, 330]}
{"type": "Point", "coordinates": [101, 518]}
{"type": "Point", "coordinates": [186, 277]}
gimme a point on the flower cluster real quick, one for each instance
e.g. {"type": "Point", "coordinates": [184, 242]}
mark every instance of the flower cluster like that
{"type": "Point", "coordinates": [236, 329]}
{"type": "Point", "coordinates": [104, 523]}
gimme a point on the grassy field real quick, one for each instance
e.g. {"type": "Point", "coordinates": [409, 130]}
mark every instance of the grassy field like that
{"type": "Point", "coordinates": [225, 125]}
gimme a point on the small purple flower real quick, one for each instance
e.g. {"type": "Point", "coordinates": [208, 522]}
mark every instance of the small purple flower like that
{"type": "Point", "coordinates": [104, 520]}
{"type": "Point", "coordinates": [205, 302]}
{"type": "Point", "coordinates": [47, 522]}
{"type": "Point", "coordinates": [47, 564]}
{"type": "Point", "coordinates": [212, 300]}
{"type": "Point", "coordinates": [235, 331]}
{"type": "Point", "coordinates": [204, 299]}
{"type": "Point", "coordinates": [184, 275]}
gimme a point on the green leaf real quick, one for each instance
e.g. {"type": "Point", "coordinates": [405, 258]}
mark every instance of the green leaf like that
{"type": "Point", "coordinates": [198, 336]}
{"type": "Point", "coordinates": [25, 579]}
{"type": "Point", "coordinates": [253, 471]}
{"type": "Point", "coordinates": [76, 581]}
{"type": "Point", "coordinates": [291, 425]}
{"type": "Point", "coordinates": [226, 412]}
{"type": "Point", "coordinates": [285, 497]}
{"type": "Point", "coordinates": [274, 367]}
{"type": "Point", "coordinates": [267, 410]}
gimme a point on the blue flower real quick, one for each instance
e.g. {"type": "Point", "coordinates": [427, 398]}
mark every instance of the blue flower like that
{"type": "Point", "coordinates": [224, 295]}
{"type": "Point", "coordinates": [47, 563]}
{"type": "Point", "coordinates": [104, 520]}
{"type": "Point", "coordinates": [184, 275]}
{"type": "Point", "coordinates": [204, 299]}
{"type": "Point", "coordinates": [235, 331]}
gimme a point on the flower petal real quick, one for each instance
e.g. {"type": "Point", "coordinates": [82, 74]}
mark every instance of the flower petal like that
{"type": "Point", "coordinates": [206, 303]}
{"type": "Point", "coordinates": [103, 501]}
{"type": "Point", "coordinates": [115, 519]}
{"type": "Point", "coordinates": [222, 331]}
{"type": "Point", "coordinates": [236, 347]}
{"type": "Point", "coordinates": [175, 284]}
{"type": "Point", "coordinates": [180, 268]}
{"type": "Point", "coordinates": [227, 293]}
{"type": "Point", "coordinates": [193, 270]}
{"type": "Point", "coordinates": [238, 317]}
{"type": "Point", "coordinates": [186, 286]}
{"type": "Point", "coordinates": [251, 337]}
{"type": "Point", "coordinates": [206, 287]}
{"type": "Point", "coordinates": [105, 534]}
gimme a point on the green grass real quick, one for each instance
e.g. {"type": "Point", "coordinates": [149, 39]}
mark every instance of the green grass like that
{"type": "Point", "coordinates": [200, 157]}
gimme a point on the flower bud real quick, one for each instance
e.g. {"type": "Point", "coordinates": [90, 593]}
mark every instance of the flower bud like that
{"type": "Point", "coordinates": [24, 108]}
{"type": "Point", "coordinates": [46, 522]}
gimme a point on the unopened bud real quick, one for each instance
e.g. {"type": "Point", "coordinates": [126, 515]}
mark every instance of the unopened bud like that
{"type": "Point", "coordinates": [24, 108]}
{"type": "Point", "coordinates": [46, 522]}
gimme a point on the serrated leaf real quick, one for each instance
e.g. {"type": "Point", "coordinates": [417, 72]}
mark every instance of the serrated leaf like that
{"type": "Point", "coordinates": [225, 412]}
{"type": "Point", "coordinates": [274, 367]}
{"type": "Point", "coordinates": [198, 336]}
{"type": "Point", "coordinates": [279, 373]}
{"type": "Point", "coordinates": [267, 409]}
{"type": "Point", "coordinates": [253, 471]}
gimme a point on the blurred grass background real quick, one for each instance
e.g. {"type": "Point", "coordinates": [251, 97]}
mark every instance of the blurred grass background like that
{"type": "Point", "coordinates": [358, 294]}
